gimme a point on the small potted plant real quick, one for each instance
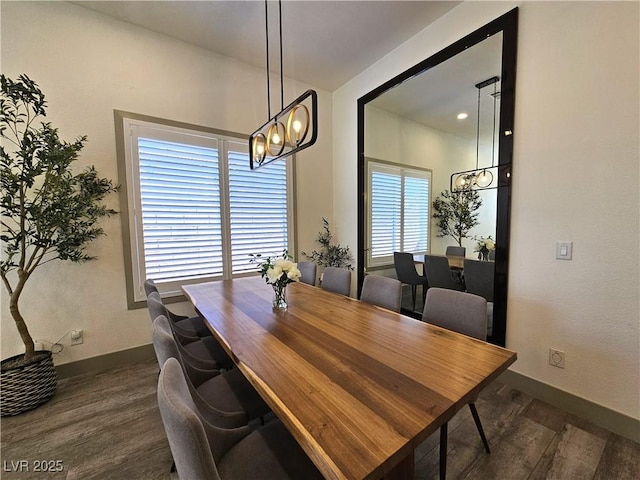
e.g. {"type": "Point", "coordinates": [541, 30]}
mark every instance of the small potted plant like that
{"type": "Point", "coordinates": [48, 213]}
{"type": "Point", "coordinates": [330, 255]}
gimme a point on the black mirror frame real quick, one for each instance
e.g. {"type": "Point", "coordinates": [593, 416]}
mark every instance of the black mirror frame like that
{"type": "Point", "coordinates": [508, 25]}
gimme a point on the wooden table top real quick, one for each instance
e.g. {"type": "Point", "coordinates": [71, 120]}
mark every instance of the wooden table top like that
{"type": "Point", "coordinates": [358, 386]}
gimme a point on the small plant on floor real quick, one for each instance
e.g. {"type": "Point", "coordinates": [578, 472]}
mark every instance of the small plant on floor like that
{"type": "Point", "coordinates": [48, 212]}
{"type": "Point", "coordinates": [330, 255]}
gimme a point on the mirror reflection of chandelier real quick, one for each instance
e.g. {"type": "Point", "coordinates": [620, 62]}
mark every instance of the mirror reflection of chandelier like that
{"type": "Point", "coordinates": [481, 178]}
{"type": "Point", "coordinates": [294, 128]}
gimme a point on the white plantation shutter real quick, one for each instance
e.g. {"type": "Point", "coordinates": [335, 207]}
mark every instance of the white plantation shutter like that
{"type": "Point", "coordinates": [399, 211]}
{"type": "Point", "coordinates": [195, 209]}
{"type": "Point", "coordinates": [386, 214]}
{"type": "Point", "coordinates": [258, 210]}
{"type": "Point", "coordinates": [180, 197]}
{"type": "Point", "coordinates": [415, 212]}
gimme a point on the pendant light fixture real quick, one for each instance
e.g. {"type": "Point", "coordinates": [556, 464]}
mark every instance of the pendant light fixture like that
{"type": "Point", "coordinates": [292, 129]}
{"type": "Point", "coordinates": [481, 178]}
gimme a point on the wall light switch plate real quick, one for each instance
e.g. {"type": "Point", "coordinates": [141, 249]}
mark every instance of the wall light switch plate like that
{"type": "Point", "coordinates": [564, 250]}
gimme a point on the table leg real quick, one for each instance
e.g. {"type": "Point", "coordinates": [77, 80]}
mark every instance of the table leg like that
{"type": "Point", "coordinates": [443, 451]}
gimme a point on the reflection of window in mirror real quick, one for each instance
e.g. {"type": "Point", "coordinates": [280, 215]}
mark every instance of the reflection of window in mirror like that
{"type": "Point", "coordinates": [398, 211]}
{"type": "Point", "coordinates": [418, 124]}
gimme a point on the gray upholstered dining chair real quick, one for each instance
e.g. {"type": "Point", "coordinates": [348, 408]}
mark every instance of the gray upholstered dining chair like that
{"type": "Point", "coordinates": [406, 272]}
{"type": "Point", "coordinates": [492, 255]}
{"type": "Point", "coordinates": [439, 275]}
{"type": "Point", "coordinates": [463, 313]}
{"type": "Point", "coordinates": [227, 399]}
{"type": "Point", "coordinates": [382, 291]}
{"type": "Point", "coordinates": [308, 272]}
{"type": "Point", "coordinates": [190, 326]}
{"type": "Point", "coordinates": [478, 278]}
{"type": "Point", "coordinates": [456, 251]}
{"type": "Point", "coordinates": [337, 280]}
{"type": "Point", "coordinates": [205, 352]}
{"type": "Point", "coordinates": [203, 451]}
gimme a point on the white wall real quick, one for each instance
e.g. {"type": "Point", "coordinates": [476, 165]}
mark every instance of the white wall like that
{"type": "Point", "coordinates": [88, 65]}
{"type": "Point", "coordinates": [576, 178]}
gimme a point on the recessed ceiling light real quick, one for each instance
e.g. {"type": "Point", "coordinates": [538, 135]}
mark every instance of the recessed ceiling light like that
{"type": "Point", "coordinates": [462, 116]}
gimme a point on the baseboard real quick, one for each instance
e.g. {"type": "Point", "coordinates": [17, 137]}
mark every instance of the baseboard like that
{"type": "Point", "coordinates": [105, 362]}
{"type": "Point", "coordinates": [604, 417]}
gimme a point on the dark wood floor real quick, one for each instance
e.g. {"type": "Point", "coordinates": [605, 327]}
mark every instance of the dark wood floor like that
{"type": "Point", "coordinates": [107, 426]}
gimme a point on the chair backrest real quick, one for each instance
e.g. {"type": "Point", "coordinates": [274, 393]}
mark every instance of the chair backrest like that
{"type": "Point", "coordinates": [456, 251]}
{"type": "Point", "coordinates": [406, 269]}
{"type": "Point", "coordinates": [382, 291]}
{"type": "Point", "coordinates": [155, 306]}
{"type": "Point", "coordinates": [478, 278]}
{"type": "Point", "coordinates": [150, 286]}
{"type": "Point", "coordinates": [458, 311]}
{"type": "Point", "coordinates": [308, 272]}
{"type": "Point", "coordinates": [438, 273]}
{"type": "Point", "coordinates": [337, 280]}
{"type": "Point", "coordinates": [163, 342]}
{"type": "Point", "coordinates": [492, 254]}
{"type": "Point", "coordinates": [184, 428]}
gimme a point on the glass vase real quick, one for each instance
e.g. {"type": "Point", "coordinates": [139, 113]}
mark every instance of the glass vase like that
{"type": "Point", "coordinates": [280, 297]}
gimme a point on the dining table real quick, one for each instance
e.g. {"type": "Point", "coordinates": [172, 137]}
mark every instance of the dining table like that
{"type": "Point", "coordinates": [359, 387]}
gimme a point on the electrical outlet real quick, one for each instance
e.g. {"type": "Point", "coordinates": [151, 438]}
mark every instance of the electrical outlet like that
{"type": "Point", "coordinates": [76, 337]}
{"type": "Point", "coordinates": [556, 358]}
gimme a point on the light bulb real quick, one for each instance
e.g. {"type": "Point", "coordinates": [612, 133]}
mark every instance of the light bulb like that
{"type": "Point", "coordinates": [260, 149]}
{"type": "Point", "coordinates": [276, 138]}
{"type": "Point", "coordinates": [297, 126]}
{"type": "Point", "coordinates": [484, 179]}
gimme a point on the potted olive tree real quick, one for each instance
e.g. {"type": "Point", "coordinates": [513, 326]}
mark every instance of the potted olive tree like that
{"type": "Point", "coordinates": [456, 213]}
{"type": "Point", "coordinates": [48, 213]}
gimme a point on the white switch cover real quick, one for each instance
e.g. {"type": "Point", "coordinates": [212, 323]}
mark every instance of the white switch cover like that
{"type": "Point", "coordinates": [564, 250]}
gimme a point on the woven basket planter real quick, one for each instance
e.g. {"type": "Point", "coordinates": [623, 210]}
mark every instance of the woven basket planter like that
{"type": "Point", "coordinates": [24, 388]}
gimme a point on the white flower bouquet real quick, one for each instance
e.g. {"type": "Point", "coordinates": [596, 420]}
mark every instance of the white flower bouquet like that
{"type": "Point", "coordinates": [278, 272]}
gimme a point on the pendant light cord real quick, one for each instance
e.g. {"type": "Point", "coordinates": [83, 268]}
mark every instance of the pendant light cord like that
{"type": "Point", "coordinates": [281, 81]}
{"type": "Point", "coordinates": [266, 24]}
{"type": "Point", "coordinates": [478, 132]}
{"type": "Point", "coordinates": [493, 138]}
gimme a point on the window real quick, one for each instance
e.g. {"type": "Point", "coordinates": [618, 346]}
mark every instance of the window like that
{"type": "Point", "coordinates": [398, 211]}
{"type": "Point", "coordinates": [195, 209]}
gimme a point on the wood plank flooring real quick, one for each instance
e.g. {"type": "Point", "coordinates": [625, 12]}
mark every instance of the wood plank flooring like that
{"type": "Point", "coordinates": [107, 426]}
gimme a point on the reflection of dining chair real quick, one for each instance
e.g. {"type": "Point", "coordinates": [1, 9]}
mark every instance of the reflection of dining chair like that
{"type": "Point", "coordinates": [382, 291]}
{"type": "Point", "coordinates": [439, 275]}
{"type": "Point", "coordinates": [407, 274]}
{"type": "Point", "coordinates": [227, 398]}
{"type": "Point", "coordinates": [463, 313]}
{"type": "Point", "coordinates": [478, 278]}
{"type": "Point", "coordinates": [456, 251]}
{"type": "Point", "coordinates": [201, 450]}
{"type": "Point", "coordinates": [492, 255]}
{"type": "Point", "coordinates": [337, 280]}
{"type": "Point", "coordinates": [308, 272]}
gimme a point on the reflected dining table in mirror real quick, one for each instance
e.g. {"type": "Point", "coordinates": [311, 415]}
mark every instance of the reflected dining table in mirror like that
{"type": "Point", "coordinates": [359, 387]}
{"type": "Point", "coordinates": [455, 261]}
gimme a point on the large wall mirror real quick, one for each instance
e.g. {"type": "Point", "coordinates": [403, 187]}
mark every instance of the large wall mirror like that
{"type": "Point", "coordinates": [444, 125]}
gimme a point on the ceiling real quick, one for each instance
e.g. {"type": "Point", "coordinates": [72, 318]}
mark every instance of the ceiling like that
{"type": "Point", "coordinates": [434, 98]}
{"type": "Point", "coordinates": [325, 43]}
